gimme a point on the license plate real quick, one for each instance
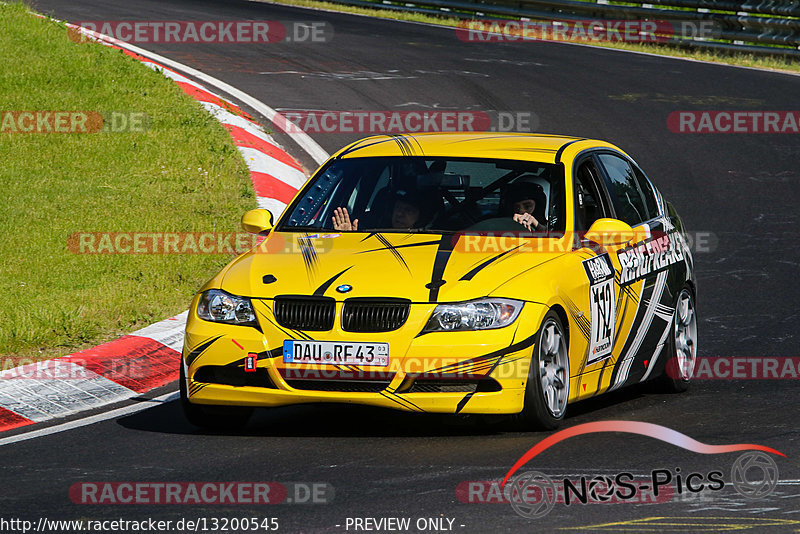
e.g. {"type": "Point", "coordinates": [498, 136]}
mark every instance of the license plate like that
{"type": "Point", "coordinates": [335, 353]}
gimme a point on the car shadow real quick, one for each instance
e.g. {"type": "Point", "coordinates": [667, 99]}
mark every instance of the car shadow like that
{"type": "Point", "coordinates": [345, 420]}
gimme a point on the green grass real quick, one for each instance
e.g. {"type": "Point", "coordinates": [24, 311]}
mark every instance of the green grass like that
{"type": "Point", "coordinates": [740, 59]}
{"type": "Point", "coordinates": [182, 174]}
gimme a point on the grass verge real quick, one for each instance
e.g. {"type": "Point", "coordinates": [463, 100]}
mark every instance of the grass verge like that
{"type": "Point", "coordinates": [739, 59]}
{"type": "Point", "coordinates": [181, 174]}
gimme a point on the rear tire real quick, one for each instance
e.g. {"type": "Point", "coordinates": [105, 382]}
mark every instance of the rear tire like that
{"type": "Point", "coordinates": [681, 345]}
{"type": "Point", "coordinates": [212, 417]}
{"type": "Point", "coordinates": [547, 387]}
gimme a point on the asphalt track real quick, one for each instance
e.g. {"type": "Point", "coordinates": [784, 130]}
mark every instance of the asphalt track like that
{"type": "Point", "coordinates": [742, 189]}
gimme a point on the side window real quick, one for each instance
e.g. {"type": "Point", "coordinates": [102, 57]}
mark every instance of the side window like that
{"type": "Point", "coordinates": [589, 199]}
{"type": "Point", "coordinates": [624, 190]}
{"type": "Point", "coordinates": [648, 192]}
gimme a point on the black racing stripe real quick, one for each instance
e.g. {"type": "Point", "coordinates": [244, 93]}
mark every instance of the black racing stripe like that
{"type": "Point", "coordinates": [565, 145]}
{"type": "Point", "coordinates": [463, 402]}
{"type": "Point", "coordinates": [302, 335]}
{"type": "Point", "coordinates": [443, 253]}
{"type": "Point", "coordinates": [636, 325]}
{"type": "Point", "coordinates": [627, 288]}
{"type": "Point", "coordinates": [582, 322]}
{"type": "Point", "coordinates": [627, 291]}
{"type": "Point", "coordinates": [584, 325]}
{"type": "Point", "coordinates": [407, 147]}
{"type": "Point", "coordinates": [324, 287]}
{"type": "Point", "coordinates": [514, 347]}
{"type": "Point", "coordinates": [391, 248]}
{"type": "Point", "coordinates": [359, 145]}
{"type": "Point", "coordinates": [487, 137]}
{"type": "Point", "coordinates": [408, 245]}
{"type": "Point", "coordinates": [196, 387]}
{"type": "Point", "coordinates": [400, 144]}
{"type": "Point", "coordinates": [405, 403]}
{"type": "Point", "coordinates": [194, 353]}
{"type": "Point", "coordinates": [459, 366]}
{"type": "Point", "coordinates": [403, 145]}
{"type": "Point", "coordinates": [309, 254]}
{"type": "Point", "coordinates": [470, 275]}
{"type": "Point", "coordinates": [624, 311]}
{"type": "Point", "coordinates": [600, 376]}
{"type": "Point", "coordinates": [288, 333]}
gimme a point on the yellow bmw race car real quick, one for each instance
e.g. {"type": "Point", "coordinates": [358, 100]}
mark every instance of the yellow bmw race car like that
{"type": "Point", "coordinates": [450, 273]}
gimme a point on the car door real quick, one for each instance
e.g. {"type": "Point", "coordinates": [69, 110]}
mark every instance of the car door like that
{"type": "Point", "coordinates": [602, 312]}
{"type": "Point", "coordinates": [642, 277]}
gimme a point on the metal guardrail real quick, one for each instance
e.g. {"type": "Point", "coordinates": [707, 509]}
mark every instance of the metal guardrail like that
{"type": "Point", "coordinates": [764, 27]}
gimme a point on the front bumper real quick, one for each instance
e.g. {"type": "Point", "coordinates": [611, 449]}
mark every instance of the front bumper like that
{"type": "Point", "coordinates": [443, 372]}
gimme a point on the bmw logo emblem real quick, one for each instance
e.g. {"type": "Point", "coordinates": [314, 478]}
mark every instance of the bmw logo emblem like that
{"type": "Point", "coordinates": [344, 288]}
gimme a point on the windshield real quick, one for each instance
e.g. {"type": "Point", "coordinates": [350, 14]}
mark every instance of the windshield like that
{"type": "Point", "coordinates": [422, 194]}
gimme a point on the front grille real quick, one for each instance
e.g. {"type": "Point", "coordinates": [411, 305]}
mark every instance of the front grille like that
{"type": "Point", "coordinates": [346, 386]}
{"type": "Point", "coordinates": [374, 315]}
{"type": "Point", "coordinates": [302, 312]}
{"type": "Point", "coordinates": [233, 376]}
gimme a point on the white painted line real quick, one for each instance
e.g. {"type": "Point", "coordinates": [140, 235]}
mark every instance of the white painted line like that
{"type": "Point", "coordinates": [119, 412]}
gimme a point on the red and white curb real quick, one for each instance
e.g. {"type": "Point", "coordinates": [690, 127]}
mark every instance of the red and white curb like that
{"type": "Point", "coordinates": [108, 373]}
{"type": "Point", "coordinates": [148, 358]}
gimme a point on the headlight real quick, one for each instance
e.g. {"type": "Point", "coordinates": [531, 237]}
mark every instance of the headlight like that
{"type": "Point", "coordinates": [221, 307]}
{"type": "Point", "coordinates": [480, 314]}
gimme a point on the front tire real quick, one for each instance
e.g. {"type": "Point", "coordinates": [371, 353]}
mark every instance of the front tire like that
{"type": "Point", "coordinates": [681, 345]}
{"type": "Point", "coordinates": [547, 387]}
{"type": "Point", "coordinates": [209, 416]}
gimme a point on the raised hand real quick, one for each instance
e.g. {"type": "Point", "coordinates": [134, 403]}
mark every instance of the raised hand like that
{"type": "Point", "coordinates": [341, 220]}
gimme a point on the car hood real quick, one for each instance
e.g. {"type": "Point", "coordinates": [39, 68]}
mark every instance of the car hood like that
{"type": "Point", "coordinates": [419, 267]}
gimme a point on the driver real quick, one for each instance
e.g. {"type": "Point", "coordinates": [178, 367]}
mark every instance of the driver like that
{"type": "Point", "coordinates": [527, 202]}
{"type": "Point", "coordinates": [409, 210]}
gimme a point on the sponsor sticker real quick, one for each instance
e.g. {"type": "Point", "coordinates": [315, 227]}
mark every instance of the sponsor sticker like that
{"type": "Point", "coordinates": [600, 272]}
{"type": "Point", "coordinates": [649, 257]}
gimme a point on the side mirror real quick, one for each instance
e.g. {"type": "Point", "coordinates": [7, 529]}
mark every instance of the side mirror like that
{"type": "Point", "coordinates": [257, 221]}
{"type": "Point", "coordinates": [608, 232]}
